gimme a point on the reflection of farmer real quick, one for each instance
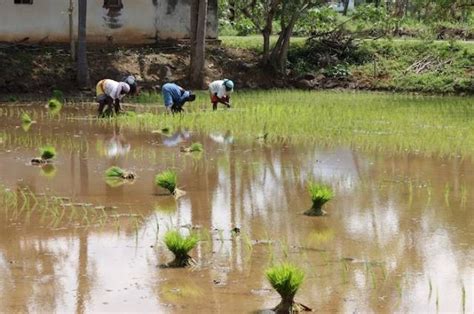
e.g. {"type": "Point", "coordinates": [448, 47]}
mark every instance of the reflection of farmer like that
{"type": "Point", "coordinates": [220, 138]}
{"type": "Point", "coordinates": [220, 92]}
{"type": "Point", "coordinates": [117, 146]}
{"type": "Point", "coordinates": [175, 96]}
{"type": "Point", "coordinates": [177, 138]}
{"type": "Point", "coordinates": [110, 92]}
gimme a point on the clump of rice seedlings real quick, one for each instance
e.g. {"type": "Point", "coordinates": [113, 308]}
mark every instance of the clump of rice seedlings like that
{"type": "Point", "coordinates": [48, 152]}
{"type": "Point", "coordinates": [54, 103]}
{"type": "Point", "coordinates": [168, 180]}
{"type": "Point", "coordinates": [194, 148]}
{"type": "Point", "coordinates": [47, 155]}
{"type": "Point", "coordinates": [180, 246]}
{"type": "Point", "coordinates": [25, 118]}
{"type": "Point", "coordinates": [286, 279]}
{"type": "Point", "coordinates": [320, 195]}
{"type": "Point", "coordinates": [117, 172]}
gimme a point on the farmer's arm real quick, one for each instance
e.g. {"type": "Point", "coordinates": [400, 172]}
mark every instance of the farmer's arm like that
{"type": "Point", "coordinates": [223, 100]}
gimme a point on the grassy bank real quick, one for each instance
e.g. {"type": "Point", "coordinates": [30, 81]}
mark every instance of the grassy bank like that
{"type": "Point", "coordinates": [366, 121]}
{"type": "Point", "coordinates": [401, 65]}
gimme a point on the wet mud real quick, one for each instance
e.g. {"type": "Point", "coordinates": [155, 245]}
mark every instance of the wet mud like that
{"type": "Point", "coordinates": [398, 235]}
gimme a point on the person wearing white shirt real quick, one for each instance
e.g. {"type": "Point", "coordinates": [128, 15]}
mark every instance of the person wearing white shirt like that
{"type": "Point", "coordinates": [220, 91]}
{"type": "Point", "coordinates": [110, 92]}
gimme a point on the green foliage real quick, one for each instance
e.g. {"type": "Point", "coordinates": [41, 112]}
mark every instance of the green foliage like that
{"type": "Point", "coordinates": [338, 71]}
{"type": "Point", "coordinates": [286, 279]}
{"type": "Point", "coordinates": [54, 103]}
{"type": "Point", "coordinates": [180, 246]}
{"type": "Point", "coordinates": [114, 172]}
{"type": "Point", "coordinates": [47, 152]}
{"type": "Point", "coordinates": [25, 118]}
{"type": "Point", "coordinates": [317, 20]}
{"type": "Point", "coordinates": [320, 195]}
{"type": "Point", "coordinates": [196, 147]}
{"type": "Point", "coordinates": [167, 180]}
{"type": "Point", "coordinates": [58, 94]}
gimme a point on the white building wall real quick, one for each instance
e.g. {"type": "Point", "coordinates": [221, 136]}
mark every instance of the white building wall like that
{"type": "Point", "coordinates": [140, 21]}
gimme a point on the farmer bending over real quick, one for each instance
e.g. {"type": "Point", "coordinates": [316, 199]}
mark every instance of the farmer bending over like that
{"type": "Point", "coordinates": [109, 93]}
{"type": "Point", "coordinates": [175, 96]}
{"type": "Point", "coordinates": [220, 92]}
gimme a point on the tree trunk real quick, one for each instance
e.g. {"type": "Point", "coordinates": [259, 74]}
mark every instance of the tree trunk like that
{"type": "Point", "coordinates": [198, 42]}
{"type": "Point", "coordinates": [280, 51]}
{"type": "Point", "coordinates": [82, 67]}
{"type": "Point", "coordinates": [71, 30]}
{"type": "Point", "coordinates": [266, 45]}
{"type": "Point", "coordinates": [346, 7]}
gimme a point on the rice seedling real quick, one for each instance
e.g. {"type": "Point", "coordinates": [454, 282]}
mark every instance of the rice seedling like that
{"type": "Point", "coordinates": [47, 154]}
{"type": "Point", "coordinates": [180, 246]}
{"type": "Point", "coordinates": [194, 148]}
{"type": "Point", "coordinates": [286, 279]}
{"type": "Point", "coordinates": [117, 172]}
{"type": "Point", "coordinates": [168, 180]}
{"type": "Point", "coordinates": [25, 118]}
{"type": "Point", "coordinates": [376, 121]}
{"type": "Point", "coordinates": [54, 103]}
{"type": "Point", "coordinates": [320, 195]}
{"type": "Point", "coordinates": [463, 298]}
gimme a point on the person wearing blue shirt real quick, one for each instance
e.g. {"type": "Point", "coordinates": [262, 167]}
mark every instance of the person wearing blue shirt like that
{"type": "Point", "coordinates": [175, 96]}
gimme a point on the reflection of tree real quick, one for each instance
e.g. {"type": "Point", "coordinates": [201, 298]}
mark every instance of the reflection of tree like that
{"type": "Point", "coordinates": [30, 278]}
{"type": "Point", "coordinates": [83, 277]}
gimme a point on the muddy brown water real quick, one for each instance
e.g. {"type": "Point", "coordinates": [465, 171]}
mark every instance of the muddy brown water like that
{"type": "Point", "coordinates": [398, 237]}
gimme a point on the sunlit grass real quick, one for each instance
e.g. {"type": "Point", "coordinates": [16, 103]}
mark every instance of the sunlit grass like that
{"type": "Point", "coordinates": [364, 121]}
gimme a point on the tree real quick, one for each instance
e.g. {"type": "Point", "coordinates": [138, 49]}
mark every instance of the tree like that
{"type": "Point", "coordinates": [82, 67]}
{"type": "Point", "coordinates": [291, 11]}
{"type": "Point", "coordinates": [262, 14]}
{"type": "Point", "coordinates": [198, 42]}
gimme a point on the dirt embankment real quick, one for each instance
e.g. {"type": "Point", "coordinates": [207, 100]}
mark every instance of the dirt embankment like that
{"type": "Point", "coordinates": [40, 69]}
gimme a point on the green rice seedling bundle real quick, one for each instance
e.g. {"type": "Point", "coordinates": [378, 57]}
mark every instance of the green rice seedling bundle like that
{"type": "Point", "coordinates": [286, 279]}
{"type": "Point", "coordinates": [25, 118]}
{"type": "Point", "coordinates": [320, 195]}
{"type": "Point", "coordinates": [117, 172]}
{"type": "Point", "coordinates": [168, 180]}
{"type": "Point", "coordinates": [47, 154]}
{"type": "Point", "coordinates": [180, 246]}
{"type": "Point", "coordinates": [194, 148]}
{"type": "Point", "coordinates": [54, 103]}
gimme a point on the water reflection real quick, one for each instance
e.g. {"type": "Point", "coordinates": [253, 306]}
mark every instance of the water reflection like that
{"type": "Point", "coordinates": [397, 223]}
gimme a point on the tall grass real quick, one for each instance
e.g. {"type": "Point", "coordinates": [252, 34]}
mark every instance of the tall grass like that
{"type": "Point", "coordinates": [180, 246]}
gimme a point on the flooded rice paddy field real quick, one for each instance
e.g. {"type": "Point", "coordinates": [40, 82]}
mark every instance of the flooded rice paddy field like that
{"type": "Point", "coordinates": [398, 235]}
